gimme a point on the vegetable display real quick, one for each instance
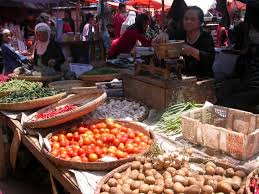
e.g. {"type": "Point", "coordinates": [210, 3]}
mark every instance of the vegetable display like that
{"type": "Point", "coordinates": [119, 109]}
{"type": "Point", "coordinates": [254, 182]}
{"type": "Point", "coordinates": [170, 122]}
{"type": "Point", "coordinates": [53, 112]}
{"type": "Point", "coordinates": [174, 174]}
{"type": "Point", "coordinates": [13, 85]}
{"type": "Point", "coordinates": [21, 96]}
{"type": "Point", "coordinates": [103, 141]}
{"type": "Point", "coordinates": [101, 71]}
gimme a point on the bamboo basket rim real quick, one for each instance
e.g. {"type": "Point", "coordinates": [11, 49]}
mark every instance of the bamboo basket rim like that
{"type": "Point", "coordinates": [141, 118]}
{"type": "Point", "coordinates": [169, 43]}
{"type": "Point", "coordinates": [247, 187]}
{"type": "Point", "coordinates": [127, 165]}
{"type": "Point", "coordinates": [99, 77]}
{"type": "Point", "coordinates": [31, 104]}
{"type": "Point", "coordinates": [36, 77]}
{"type": "Point", "coordinates": [97, 165]}
{"type": "Point", "coordinates": [70, 115]}
{"type": "Point", "coordinates": [72, 81]}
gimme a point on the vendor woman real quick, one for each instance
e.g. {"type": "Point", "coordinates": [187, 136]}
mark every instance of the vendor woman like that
{"type": "Point", "coordinates": [12, 58]}
{"type": "Point", "coordinates": [126, 42]}
{"type": "Point", "coordinates": [47, 51]}
{"type": "Point", "coordinates": [198, 50]}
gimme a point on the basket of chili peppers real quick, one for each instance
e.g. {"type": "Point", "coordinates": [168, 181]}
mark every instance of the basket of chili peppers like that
{"type": "Point", "coordinates": [30, 99]}
{"type": "Point", "coordinates": [252, 182]}
{"type": "Point", "coordinates": [70, 108]}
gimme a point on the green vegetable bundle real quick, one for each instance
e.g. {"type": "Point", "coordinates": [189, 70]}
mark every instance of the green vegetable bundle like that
{"type": "Point", "coordinates": [101, 71]}
{"type": "Point", "coordinates": [18, 85]}
{"type": "Point", "coordinates": [170, 122]}
{"type": "Point", "coordinates": [21, 96]}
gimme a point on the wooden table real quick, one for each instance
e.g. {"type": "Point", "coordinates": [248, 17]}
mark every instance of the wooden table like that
{"type": "Point", "coordinates": [65, 177]}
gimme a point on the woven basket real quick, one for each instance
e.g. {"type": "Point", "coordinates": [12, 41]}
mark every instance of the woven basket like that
{"type": "Point", "coordinates": [168, 50]}
{"type": "Point", "coordinates": [125, 166]}
{"type": "Point", "coordinates": [2, 94]}
{"type": "Point", "coordinates": [100, 78]}
{"type": "Point", "coordinates": [67, 84]}
{"type": "Point", "coordinates": [37, 78]}
{"type": "Point", "coordinates": [32, 104]}
{"type": "Point", "coordinates": [99, 165]}
{"type": "Point", "coordinates": [87, 101]}
{"type": "Point", "coordinates": [141, 118]}
{"type": "Point", "coordinates": [248, 191]}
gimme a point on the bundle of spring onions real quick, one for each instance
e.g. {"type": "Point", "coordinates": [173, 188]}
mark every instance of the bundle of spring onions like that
{"type": "Point", "coordinates": [170, 122]}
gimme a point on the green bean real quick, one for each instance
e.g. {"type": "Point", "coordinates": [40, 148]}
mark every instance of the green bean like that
{"type": "Point", "coordinates": [13, 85]}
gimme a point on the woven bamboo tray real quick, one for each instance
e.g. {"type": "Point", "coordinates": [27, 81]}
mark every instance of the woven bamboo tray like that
{"type": "Point", "coordinates": [67, 84]}
{"type": "Point", "coordinates": [32, 104]}
{"type": "Point", "coordinates": [2, 94]}
{"type": "Point", "coordinates": [37, 78]}
{"type": "Point", "coordinates": [99, 165]}
{"type": "Point", "coordinates": [125, 166]}
{"type": "Point", "coordinates": [86, 102]}
{"type": "Point", "coordinates": [248, 191]}
{"type": "Point", "coordinates": [100, 78]}
{"type": "Point", "coordinates": [141, 118]}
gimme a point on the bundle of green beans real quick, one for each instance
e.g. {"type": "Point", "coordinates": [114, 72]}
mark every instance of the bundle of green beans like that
{"type": "Point", "coordinates": [170, 122]}
{"type": "Point", "coordinates": [21, 96]}
{"type": "Point", "coordinates": [13, 85]}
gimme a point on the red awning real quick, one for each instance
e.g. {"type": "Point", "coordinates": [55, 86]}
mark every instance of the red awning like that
{"type": "Point", "coordinates": [234, 4]}
{"type": "Point", "coordinates": [128, 7]}
{"type": "Point", "coordinates": [156, 4]}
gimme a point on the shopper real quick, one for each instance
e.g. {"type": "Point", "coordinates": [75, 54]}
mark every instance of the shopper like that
{"type": "Point", "coordinates": [118, 19]}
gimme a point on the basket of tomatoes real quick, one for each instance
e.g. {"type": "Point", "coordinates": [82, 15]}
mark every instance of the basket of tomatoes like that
{"type": "Point", "coordinates": [102, 144]}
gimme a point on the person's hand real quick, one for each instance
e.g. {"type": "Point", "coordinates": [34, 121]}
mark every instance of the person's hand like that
{"type": "Point", "coordinates": [161, 38]}
{"type": "Point", "coordinates": [190, 51]}
{"type": "Point", "coordinates": [51, 62]}
{"type": "Point", "coordinates": [26, 53]}
{"type": "Point", "coordinates": [30, 58]}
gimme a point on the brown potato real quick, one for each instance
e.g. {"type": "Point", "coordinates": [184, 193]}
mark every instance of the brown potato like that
{"type": "Point", "coordinates": [181, 172]}
{"type": "Point", "coordinates": [158, 189]}
{"type": "Point", "coordinates": [115, 190]}
{"type": "Point", "coordinates": [104, 193]}
{"type": "Point", "coordinates": [178, 187]}
{"type": "Point", "coordinates": [240, 173]}
{"type": "Point", "coordinates": [158, 176]}
{"type": "Point", "coordinates": [126, 189]}
{"type": "Point", "coordinates": [213, 184]}
{"type": "Point", "coordinates": [160, 182]}
{"type": "Point", "coordinates": [224, 187]}
{"type": "Point", "coordinates": [141, 176]}
{"type": "Point", "coordinates": [141, 159]}
{"type": "Point", "coordinates": [192, 181]}
{"type": "Point", "coordinates": [150, 180]}
{"type": "Point", "coordinates": [230, 172]}
{"type": "Point", "coordinates": [210, 170]}
{"type": "Point", "coordinates": [219, 171]}
{"type": "Point", "coordinates": [148, 173]}
{"type": "Point", "coordinates": [168, 191]}
{"type": "Point", "coordinates": [136, 191]}
{"type": "Point", "coordinates": [171, 170]}
{"type": "Point", "coordinates": [154, 171]}
{"type": "Point", "coordinates": [206, 189]}
{"type": "Point", "coordinates": [200, 179]}
{"type": "Point", "coordinates": [112, 182]}
{"type": "Point", "coordinates": [194, 189]}
{"type": "Point", "coordinates": [218, 178]}
{"type": "Point", "coordinates": [135, 165]}
{"type": "Point", "coordinates": [169, 184]}
{"type": "Point", "coordinates": [180, 179]}
{"type": "Point", "coordinates": [134, 174]}
{"type": "Point", "coordinates": [105, 188]}
{"type": "Point", "coordinates": [211, 164]}
{"type": "Point", "coordinates": [135, 185]}
{"type": "Point", "coordinates": [144, 188]}
{"type": "Point", "coordinates": [147, 166]}
{"type": "Point", "coordinates": [236, 183]}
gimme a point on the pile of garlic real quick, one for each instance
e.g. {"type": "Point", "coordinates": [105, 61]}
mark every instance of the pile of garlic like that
{"type": "Point", "coordinates": [119, 109]}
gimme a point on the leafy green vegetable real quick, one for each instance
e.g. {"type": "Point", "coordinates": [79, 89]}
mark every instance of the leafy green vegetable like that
{"type": "Point", "coordinates": [170, 122]}
{"type": "Point", "coordinates": [101, 71]}
{"type": "Point", "coordinates": [18, 85]}
{"type": "Point", "coordinates": [21, 96]}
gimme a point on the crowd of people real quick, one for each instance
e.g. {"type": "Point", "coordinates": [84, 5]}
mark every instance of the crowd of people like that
{"type": "Point", "coordinates": [237, 39]}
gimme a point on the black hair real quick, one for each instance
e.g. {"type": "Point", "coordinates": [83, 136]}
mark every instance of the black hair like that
{"type": "Point", "coordinates": [67, 11]}
{"type": "Point", "coordinates": [139, 23]}
{"type": "Point", "coordinates": [199, 12]}
{"type": "Point", "coordinates": [121, 5]}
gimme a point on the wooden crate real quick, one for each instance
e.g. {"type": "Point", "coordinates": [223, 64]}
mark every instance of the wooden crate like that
{"type": "Point", "coordinates": [232, 131]}
{"type": "Point", "coordinates": [159, 94]}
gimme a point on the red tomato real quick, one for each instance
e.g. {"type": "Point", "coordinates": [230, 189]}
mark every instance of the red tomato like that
{"type": "Point", "coordinates": [99, 143]}
{"type": "Point", "coordinates": [121, 147]}
{"type": "Point", "coordinates": [140, 134]}
{"type": "Point", "coordinates": [71, 154]}
{"type": "Point", "coordinates": [112, 149]}
{"type": "Point", "coordinates": [131, 135]}
{"type": "Point", "coordinates": [70, 136]}
{"type": "Point", "coordinates": [81, 142]}
{"type": "Point", "coordinates": [114, 131]}
{"type": "Point", "coordinates": [75, 148]}
{"type": "Point", "coordinates": [80, 151]}
{"type": "Point", "coordinates": [102, 130]}
{"type": "Point", "coordinates": [76, 137]}
{"type": "Point", "coordinates": [110, 138]}
{"type": "Point", "coordinates": [97, 136]}
{"type": "Point", "coordinates": [129, 148]}
{"type": "Point", "coordinates": [105, 150]}
{"type": "Point", "coordinates": [137, 140]}
{"type": "Point", "coordinates": [86, 141]}
{"type": "Point", "coordinates": [143, 145]}
{"type": "Point", "coordinates": [54, 138]}
{"type": "Point", "coordinates": [124, 129]}
{"type": "Point", "coordinates": [56, 146]}
{"type": "Point", "coordinates": [145, 139]}
{"type": "Point", "coordinates": [123, 139]}
{"type": "Point", "coordinates": [96, 131]}
{"type": "Point", "coordinates": [72, 142]}
{"type": "Point", "coordinates": [119, 154]}
{"type": "Point", "coordinates": [89, 151]}
{"type": "Point", "coordinates": [63, 156]}
{"type": "Point", "coordinates": [98, 151]}
{"type": "Point", "coordinates": [61, 137]}
{"type": "Point", "coordinates": [93, 157]}
{"type": "Point", "coordinates": [76, 159]}
{"type": "Point", "coordinates": [111, 154]}
{"type": "Point", "coordinates": [99, 126]}
{"type": "Point", "coordinates": [116, 142]}
{"type": "Point", "coordinates": [82, 130]}
{"type": "Point", "coordinates": [110, 124]}
{"type": "Point", "coordinates": [116, 125]}
{"type": "Point", "coordinates": [92, 127]}
{"type": "Point", "coordinates": [103, 125]}
{"type": "Point", "coordinates": [63, 143]}
{"type": "Point", "coordinates": [55, 153]}
{"type": "Point", "coordinates": [84, 159]}
{"type": "Point", "coordinates": [135, 150]}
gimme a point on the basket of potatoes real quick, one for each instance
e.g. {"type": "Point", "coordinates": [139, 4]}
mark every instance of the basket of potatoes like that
{"type": "Point", "coordinates": [173, 173]}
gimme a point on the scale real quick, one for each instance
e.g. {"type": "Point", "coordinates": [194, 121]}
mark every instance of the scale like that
{"type": "Point", "coordinates": [161, 59]}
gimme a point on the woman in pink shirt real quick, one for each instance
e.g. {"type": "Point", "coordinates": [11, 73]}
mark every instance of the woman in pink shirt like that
{"type": "Point", "coordinates": [118, 19]}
